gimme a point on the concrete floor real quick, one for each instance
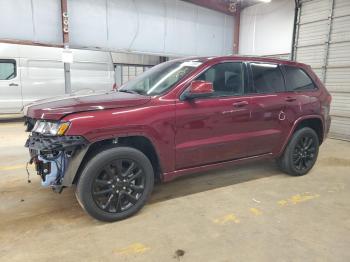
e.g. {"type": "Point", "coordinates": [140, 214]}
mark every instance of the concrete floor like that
{"type": "Point", "coordinates": [246, 213]}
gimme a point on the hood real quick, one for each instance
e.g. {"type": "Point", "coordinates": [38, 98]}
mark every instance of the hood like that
{"type": "Point", "coordinates": [55, 109]}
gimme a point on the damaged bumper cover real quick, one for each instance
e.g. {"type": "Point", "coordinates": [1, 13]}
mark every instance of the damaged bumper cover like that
{"type": "Point", "coordinates": [57, 158]}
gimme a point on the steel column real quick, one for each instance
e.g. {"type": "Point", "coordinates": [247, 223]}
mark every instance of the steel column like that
{"type": "Point", "coordinates": [65, 35]}
{"type": "Point", "coordinates": [330, 23]}
{"type": "Point", "coordinates": [237, 21]}
{"type": "Point", "coordinates": [296, 29]}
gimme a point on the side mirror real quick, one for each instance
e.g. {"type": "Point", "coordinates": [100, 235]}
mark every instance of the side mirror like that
{"type": "Point", "coordinates": [198, 88]}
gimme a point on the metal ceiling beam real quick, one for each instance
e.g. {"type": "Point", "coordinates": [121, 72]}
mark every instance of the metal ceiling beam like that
{"type": "Point", "coordinates": [223, 6]}
{"type": "Point", "coordinates": [236, 28]}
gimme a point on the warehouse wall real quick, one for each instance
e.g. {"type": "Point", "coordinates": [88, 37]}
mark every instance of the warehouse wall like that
{"type": "Point", "coordinates": [267, 29]}
{"type": "Point", "coordinates": [163, 27]}
{"type": "Point", "coordinates": [34, 20]}
{"type": "Point", "coordinates": [128, 65]}
{"type": "Point", "coordinates": [323, 41]}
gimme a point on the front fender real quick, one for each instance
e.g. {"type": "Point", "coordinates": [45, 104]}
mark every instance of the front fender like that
{"type": "Point", "coordinates": [77, 161]}
{"type": "Point", "coordinates": [156, 122]}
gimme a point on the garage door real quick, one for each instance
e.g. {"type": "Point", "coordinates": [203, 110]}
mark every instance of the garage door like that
{"type": "Point", "coordinates": [323, 41]}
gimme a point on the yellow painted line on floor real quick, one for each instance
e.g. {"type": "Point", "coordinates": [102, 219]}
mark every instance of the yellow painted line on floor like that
{"type": "Point", "coordinates": [256, 211]}
{"type": "Point", "coordinates": [296, 199]}
{"type": "Point", "coordinates": [229, 218]}
{"type": "Point", "coordinates": [136, 248]}
{"type": "Point", "coordinates": [14, 167]}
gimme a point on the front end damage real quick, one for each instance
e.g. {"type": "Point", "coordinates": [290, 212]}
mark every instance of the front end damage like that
{"type": "Point", "coordinates": [56, 158]}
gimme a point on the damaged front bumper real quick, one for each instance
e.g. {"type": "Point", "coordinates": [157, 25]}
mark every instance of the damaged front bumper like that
{"type": "Point", "coordinates": [57, 158]}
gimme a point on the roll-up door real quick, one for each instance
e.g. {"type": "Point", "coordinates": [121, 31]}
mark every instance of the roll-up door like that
{"type": "Point", "coordinates": [322, 40]}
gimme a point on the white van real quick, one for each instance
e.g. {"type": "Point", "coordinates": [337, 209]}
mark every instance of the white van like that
{"type": "Point", "coordinates": [29, 73]}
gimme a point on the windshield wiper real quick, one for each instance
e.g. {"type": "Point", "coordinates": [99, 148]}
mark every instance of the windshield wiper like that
{"type": "Point", "coordinates": [128, 91]}
{"type": "Point", "coordinates": [132, 92]}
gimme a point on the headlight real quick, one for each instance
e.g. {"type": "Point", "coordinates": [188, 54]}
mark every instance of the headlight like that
{"type": "Point", "coordinates": [50, 128]}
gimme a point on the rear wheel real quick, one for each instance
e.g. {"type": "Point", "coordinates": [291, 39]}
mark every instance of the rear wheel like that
{"type": "Point", "coordinates": [301, 153]}
{"type": "Point", "coordinates": [115, 184]}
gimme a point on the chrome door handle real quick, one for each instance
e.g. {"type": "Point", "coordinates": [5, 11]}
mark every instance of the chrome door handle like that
{"type": "Point", "coordinates": [240, 104]}
{"type": "Point", "coordinates": [290, 99]}
{"type": "Point", "coordinates": [13, 84]}
{"type": "Point", "coordinates": [228, 112]}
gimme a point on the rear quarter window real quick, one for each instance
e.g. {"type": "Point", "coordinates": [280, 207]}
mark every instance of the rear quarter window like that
{"type": "Point", "coordinates": [297, 79]}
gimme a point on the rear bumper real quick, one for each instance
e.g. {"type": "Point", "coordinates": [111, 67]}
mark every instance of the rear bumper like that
{"type": "Point", "coordinates": [56, 159]}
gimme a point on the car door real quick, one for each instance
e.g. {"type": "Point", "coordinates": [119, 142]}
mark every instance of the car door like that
{"type": "Point", "coordinates": [10, 87]}
{"type": "Point", "coordinates": [300, 96]}
{"type": "Point", "coordinates": [267, 92]}
{"type": "Point", "coordinates": [214, 128]}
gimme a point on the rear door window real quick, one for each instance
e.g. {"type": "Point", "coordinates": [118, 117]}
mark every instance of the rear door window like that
{"type": "Point", "coordinates": [297, 79]}
{"type": "Point", "coordinates": [267, 78]}
{"type": "Point", "coordinates": [7, 69]}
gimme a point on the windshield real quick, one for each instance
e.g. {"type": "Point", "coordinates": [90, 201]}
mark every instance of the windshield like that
{"type": "Point", "coordinates": [160, 78]}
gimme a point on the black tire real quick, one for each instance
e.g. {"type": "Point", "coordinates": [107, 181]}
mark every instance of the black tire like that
{"type": "Point", "coordinates": [110, 180]}
{"type": "Point", "coordinates": [301, 153]}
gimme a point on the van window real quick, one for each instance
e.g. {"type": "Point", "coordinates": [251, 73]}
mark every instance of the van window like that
{"type": "Point", "coordinates": [7, 69]}
{"type": "Point", "coordinates": [227, 78]}
{"type": "Point", "coordinates": [267, 78]}
{"type": "Point", "coordinates": [297, 79]}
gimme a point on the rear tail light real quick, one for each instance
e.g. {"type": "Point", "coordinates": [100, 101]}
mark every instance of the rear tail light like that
{"type": "Point", "coordinates": [327, 106]}
{"type": "Point", "coordinates": [329, 99]}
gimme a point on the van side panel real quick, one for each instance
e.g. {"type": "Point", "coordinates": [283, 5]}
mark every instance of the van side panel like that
{"type": "Point", "coordinates": [41, 79]}
{"type": "Point", "coordinates": [40, 73]}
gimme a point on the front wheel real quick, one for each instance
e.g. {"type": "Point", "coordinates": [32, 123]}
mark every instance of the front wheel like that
{"type": "Point", "coordinates": [301, 153]}
{"type": "Point", "coordinates": [115, 184]}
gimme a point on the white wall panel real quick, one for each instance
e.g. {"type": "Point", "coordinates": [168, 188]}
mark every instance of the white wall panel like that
{"type": "Point", "coordinates": [164, 27]}
{"type": "Point", "coordinates": [150, 34]}
{"type": "Point", "coordinates": [47, 21]}
{"type": "Point", "coordinates": [267, 29]}
{"type": "Point", "coordinates": [87, 23]}
{"type": "Point", "coordinates": [123, 23]}
{"type": "Point", "coordinates": [178, 13]}
{"type": "Point", "coordinates": [32, 20]}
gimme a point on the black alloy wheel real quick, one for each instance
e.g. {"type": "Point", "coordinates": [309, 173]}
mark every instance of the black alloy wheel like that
{"type": "Point", "coordinates": [118, 186]}
{"type": "Point", "coordinates": [115, 183]}
{"type": "Point", "coordinates": [304, 152]}
{"type": "Point", "coordinates": [301, 152]}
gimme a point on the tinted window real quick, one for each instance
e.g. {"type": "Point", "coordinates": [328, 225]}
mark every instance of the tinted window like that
{"type": "Point", "coordinates": [7, 69]}
{"type": "Point", "coordinates": [297, 79]}
{"type": "Point", "coordinates": [227, 78]}
{"type": "Point", "coordinates": [267, 78]}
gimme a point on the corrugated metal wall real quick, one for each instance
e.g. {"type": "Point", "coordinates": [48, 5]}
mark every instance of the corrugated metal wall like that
{"type": "Point", "coordinates": [323, 41]}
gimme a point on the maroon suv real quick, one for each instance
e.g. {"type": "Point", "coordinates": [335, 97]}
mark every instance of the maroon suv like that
{"type": "Point", "coordinates": [179, 117]}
